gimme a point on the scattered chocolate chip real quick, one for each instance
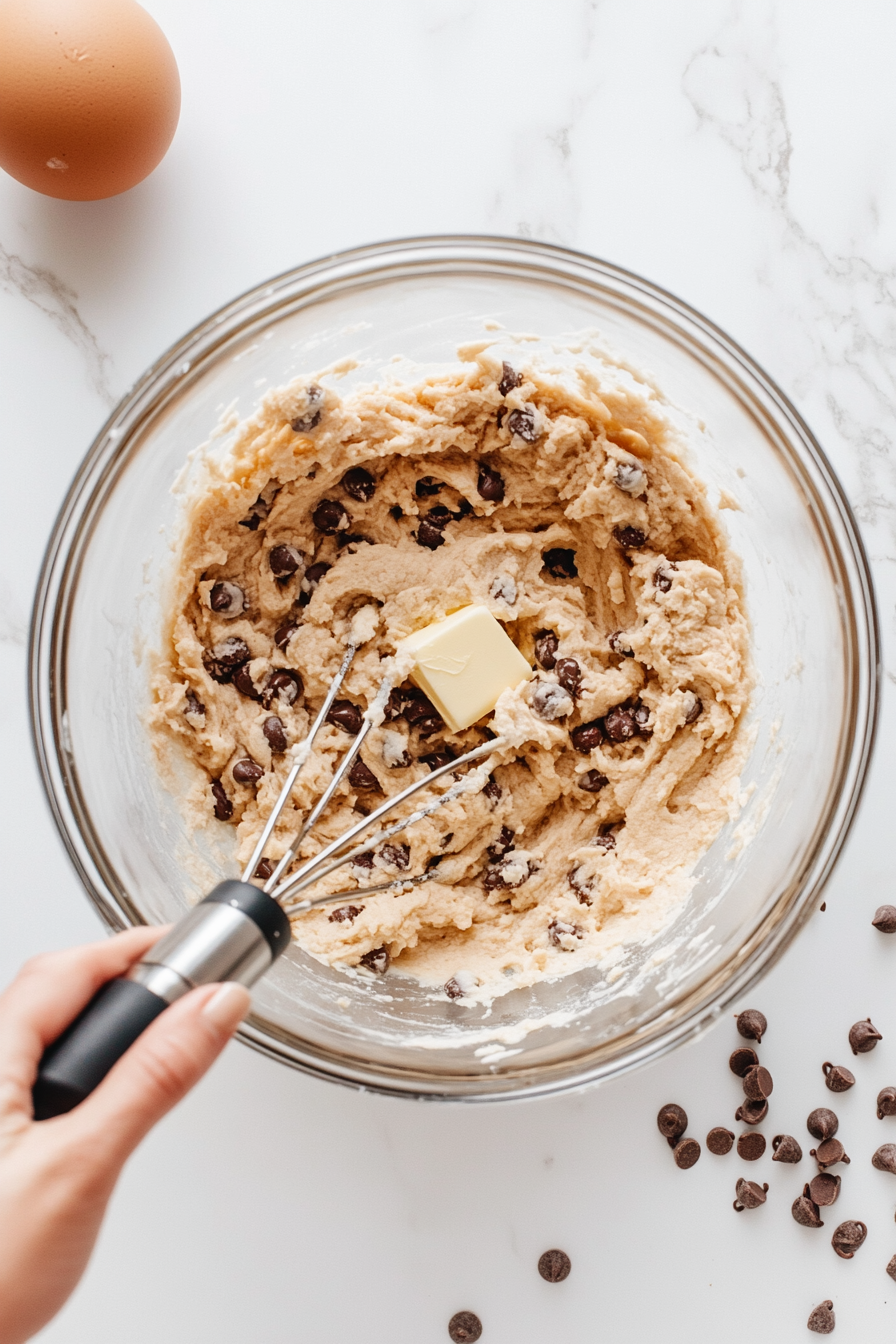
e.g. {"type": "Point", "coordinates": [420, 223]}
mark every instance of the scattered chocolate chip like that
{"type": "Point", "coordinates": [863, 1037]}
{"type": "Point", "coordinates": [463, 510]}
{"type": "Point", "coordinates": [886, 1102]}
{"type": "Point", "coordinates": [618, 642]}
{"type": "Point", "coordinates": [569, 674]}
{"type": "Point", "coordinates": [223, 805]}
{"type": "Point", "coordinates": [264, 870]}
{"type": "Point", "coordinates": [593, 781]}
{"type": "Point", "coordinates": [885, 1158]}
{"type": "Point", "coordinates": [396, 512]}
{"type": "Point", "coordinates": [823, 906]}
{"type": "Point", "coordinates": [359, 483]}
{"type": "Point", "coordinates": [562, 933]}
{"type": "Point", "coordinates": [630, 478]}
{"type": "Point", "coordinates": [227, 599]}
{"type": "Point", "coordinates": [429, 535]}
{"type": "Point", "coordinates": [891, 1268]}
{"type": "Point", "coordinates": [312, 577]}
{"type": "Point", "coordinates": [630, 538]}
{"type": "Point", "coordinates": [419, 712]}
{"type": "Point", "coordinates": [686, 1153]}
{"type": "Point", "coordinates": [523, 425]}
{"type": "Point", "coordinates": [742, 1059]}
{"type": "Point", "coordinates": [751, 1146]}
{"type": "Point", "coordinates": [560, 562]}
{"type": "Point", "coordinates": [672, 1122]}
{"type": "Point", "coordinates": [275, 733]}
{"type": "Point", "coordinates": [693, 708]}
{"type": "Point", "coordinates": [490, 484]}
{"type": "Point", "coordinates": [378, 960]}
{"type": "Point", "coordinates": [587, 736]}
{"type": "Point", "coordinates": [749, 1195]}
{"type": "Point", "coordinates": [620, 725]}
{"type": "Point", "coordinates": [247, 771]}
{"type": "Point", "coordinates": [220, 662]}
{"type": "Point", "coordinates": [257, 514]}
{"type": "Point", "coordinates": [848, 1237]}
{"type": "Point", "coordinates": [509, 379]}
{"type": "Point", "coordinates": [720, 1141]}
{"type": "Point", "coordinates": [343, 714]}
{"type": "Point", "coordinates": [829, 1153]}
{"type": "Point", "coordinates": [554, 1266]}
{"type": "Point", "coordinates": [786, 1149]}
{"type": "Point", "coordinates": [662, 576]}
{"type": "Point", "coordinates": [428, 486]}
{"type": "Point", "coordinates": [551, 701]}
{"type": "Point", "coordinates": [345, 914]}
{"type": "Point", "coordinates": [436, 759]}
{"type": "Point", "coordinates": [284, 685]}
{"type": "Point", "coordinates": [284, 634]}
{"type": "Point", "coordinates": [311, 419]}
{"type": "Point", "coordinates": [605, 839]}
{"type": "Point", "coordinates": [498, 848]}
{"type": "Point", "coordinates": [752, 1025]}
{"type": "Point", "coordinates": [837, 1077]}
{"type": "Point", "coordinates": [824, 1189]}
{"type": "Point", "coordinates": [330, 517]}
{"type": "Point", "coordinates": [493, 790]}
{"type": "Point", "coordinates": [821, 1319]}
{"type": "Point", "coordinates": [885, 918]}
{"type": "Point", "coordinates": [194, 707]}
{"type": "Point", "coordinates": [464, 1327]}
{"type": "Point", "coordinates": [581, 884]}
{"type": "Point", "coordinates": [398, 855]}
{"type": "Point", "coordinates": [758, 1084]}
{"type": "Point", "coordinates": [752, 1112]}
{"type": "Point", "coordinates": [508, 873]}
{"type": "Point", "coordinates": [285, 561]}
{"type": "Point", "coordinates": [242, 680]}
{"type": "Point", "coordinates": [822, 1123]}
{"type": "Point", "coordinates": [805, 1211]}
{"type": "Point", "coordinates": [362, 777]}
{"type": "Point", "coordinates": [546, 644]}
{"type": "Point", "coordinates": [453, 989]}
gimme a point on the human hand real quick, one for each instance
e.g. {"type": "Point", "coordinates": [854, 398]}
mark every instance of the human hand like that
{"type": "Point", "coordinates": [56, 1176]}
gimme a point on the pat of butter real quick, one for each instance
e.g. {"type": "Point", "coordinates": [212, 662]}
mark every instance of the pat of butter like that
{"type": "Point", "coordinates": [464, 663]}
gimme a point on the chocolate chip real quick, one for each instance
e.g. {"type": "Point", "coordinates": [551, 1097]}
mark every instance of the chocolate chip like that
{"type": "Point", "coordinates": [630, 538]}
{"type": "Point", "coordinates": [343, 714]}
{"type": "Point", "coordinates": [223, 805]}
{"type": "Point", "coordinates": [398, 855]}
{"type": "Point", "coordinates": [560, 562]}
{"type": "Point", "coordinates": [227, 599]}
{"type": "Point", "coordinates": [285, 561]}
{"type": "Point", "coordinates": [885, 918]}
{"type": "Point", "coordinates": [863, 1037]}
{"type": "Point", "coordinates": [257, 514]}
{"type": "Point", "coordinates": [546, 644]}
{"type": "Point", "coordinates": [605, 839]}
{"type": "Point", "coordinates": [275, 733]}
{"type": "Point", "coordinates": [848, 1237]}
{"type": "Point", "coordinates": [509, 379]}
{"type": "Point", "coordinates": [837, 1077]}
{"type": "Point", "coordinates": [805, 1211]}
{"type": "Point", "coordinates": [396, 512]}
{"type": "Point", "coordinates": [330, 517]}
{"type": "Point", "coordinates": [284, 634]}
{"type": "Point", "coordinates": [686, 1153]}
{"type": "Point", "coordinates": [569, 674]}
{"type": "Point", "coordinates": [662, 576]}
{"type": "Point", "coordinates": [822, 1123]}
{"type": "Point", "coordinates": [378, 960]}
{"type": "Point", "coordinates": [824, 1189]}
{"type": "Point", "coordinates": [507, 874]}
{"type": "Point", "coordinates": [428, 486]}
{"type": "Point", "coordinates": [490, 484]}
{"type": "Point", "coordinates": [752, 1025]}
{"type": "Point", "coordinates": [749, 1195]}
{"type": "Point", "coordinates": [464, 1327]}
{"type": "Point", "coordinates": [440, 517]}
{"type": "Point", "coordinates": [264, 870]}
{"type": "Point", "coordinates": [362, 777]}
{"type": "Point", "coordinates": [742, 1059]}
{"type": "Point", "coordinates": [786, 1149]}
{"type": "Point", "coordinates": [554, 1266]}
{"type": "Point", "coordinates": [303, 423]}
{"type": "Point", "coordinates": [429, 535]}
{"type": "Point", "coordinates": [194, 706]}
{"type": "Point", "coordinates": [885, 1158]}
{"type": "Point", "coordinates": [720, 1141]}
{"type": "Point", "coordinates": [436, 759]}
{"type": "Point", "coordinates": [593, 781]}
{"type": "Point", "coordinates": [693, 708]}
{"type": "Point", "coordinates": [620, 725]}
{"type": "Point", "coordinates": [758, 1084]}
{"type": "Point", "coordinates": [419, 712]}
{"type": "Point", "coordinates": [752, 1112]}
{"type": "Point", "coordinates": [551, 701]}
{"type": "Point", "coordinates": [345, 914]}
{"type": "Point", "coordinates": [751, 1146]}
{"type": "Point", "coordinates": [247, 771]}
{"type": "Point", "coordinates": [821, 1319]}
{"type": "Point", "coordinates": [618, 642]}
{"type": "Point", "coordinates": [523, 425]}
{"type": "Point", "coordinates": [453, 989]}
{"type": "Point", "coordinates": [886, 1102]}
{"type": "Point", "coordinates": [498, 848]}
{"type": "Point", "coordinates": [587, 736]}
{"type": "Point", "coordinates": [493, 790]}
{"type": "Point", "coordinates": [242, 680]}
{"type": "Point", "coordinates": [224, 657]}
{"type": "Point", "coordinates": [891, 1268]}
{"type": "Point", "coordinates": [672, 1122]}
{"type": "Point", "coordinates": [284, 685]}
{"type": "Point", "coordinates": [312, 577]}
{"type": "Point", "coordinates": [359, 483]}
{"type": "Point", "coordinates": [828, 1154]}
{"type": "Point", "coordinates": [581, 884]}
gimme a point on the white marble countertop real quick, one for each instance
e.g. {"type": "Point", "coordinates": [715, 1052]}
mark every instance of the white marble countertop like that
{"type": "Point", "coordinates": [742, 156]}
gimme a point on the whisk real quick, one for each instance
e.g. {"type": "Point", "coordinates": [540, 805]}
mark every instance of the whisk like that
{"type": "Point", "coordinates": [239, 929]}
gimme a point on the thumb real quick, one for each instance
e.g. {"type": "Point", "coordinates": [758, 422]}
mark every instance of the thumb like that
{"type": "Point", "coordinates": [162, 1065]}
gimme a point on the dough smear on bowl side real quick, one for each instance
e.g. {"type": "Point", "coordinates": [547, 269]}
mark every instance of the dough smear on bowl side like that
{"type": "Point", "coordinates": [557, 499]}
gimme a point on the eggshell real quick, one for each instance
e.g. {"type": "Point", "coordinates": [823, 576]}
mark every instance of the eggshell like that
{"type": "Point", "coordinates": [89, 95]}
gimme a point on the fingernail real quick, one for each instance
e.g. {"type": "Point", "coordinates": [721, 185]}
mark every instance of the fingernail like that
{"type": "Point", "coordinates": [228, 1006]}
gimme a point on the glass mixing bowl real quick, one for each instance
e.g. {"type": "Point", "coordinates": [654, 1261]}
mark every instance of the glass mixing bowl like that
{"type": "Point", "coordinates": [810, 602]}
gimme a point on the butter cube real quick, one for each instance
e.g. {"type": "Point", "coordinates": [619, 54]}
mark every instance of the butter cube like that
{"type": "Point", "coordinates": [464, 663]}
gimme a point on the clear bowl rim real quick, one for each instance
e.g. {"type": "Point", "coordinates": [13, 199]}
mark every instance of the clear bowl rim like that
{"type": "Point", "coordinates": [58, 576]}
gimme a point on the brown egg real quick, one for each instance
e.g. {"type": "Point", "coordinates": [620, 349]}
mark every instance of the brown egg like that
{"type": "Point", "coordinates": [89, 95]}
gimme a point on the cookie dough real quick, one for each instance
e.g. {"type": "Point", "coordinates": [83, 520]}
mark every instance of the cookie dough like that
{"type": "Point", "coordinates": [559, 498]}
